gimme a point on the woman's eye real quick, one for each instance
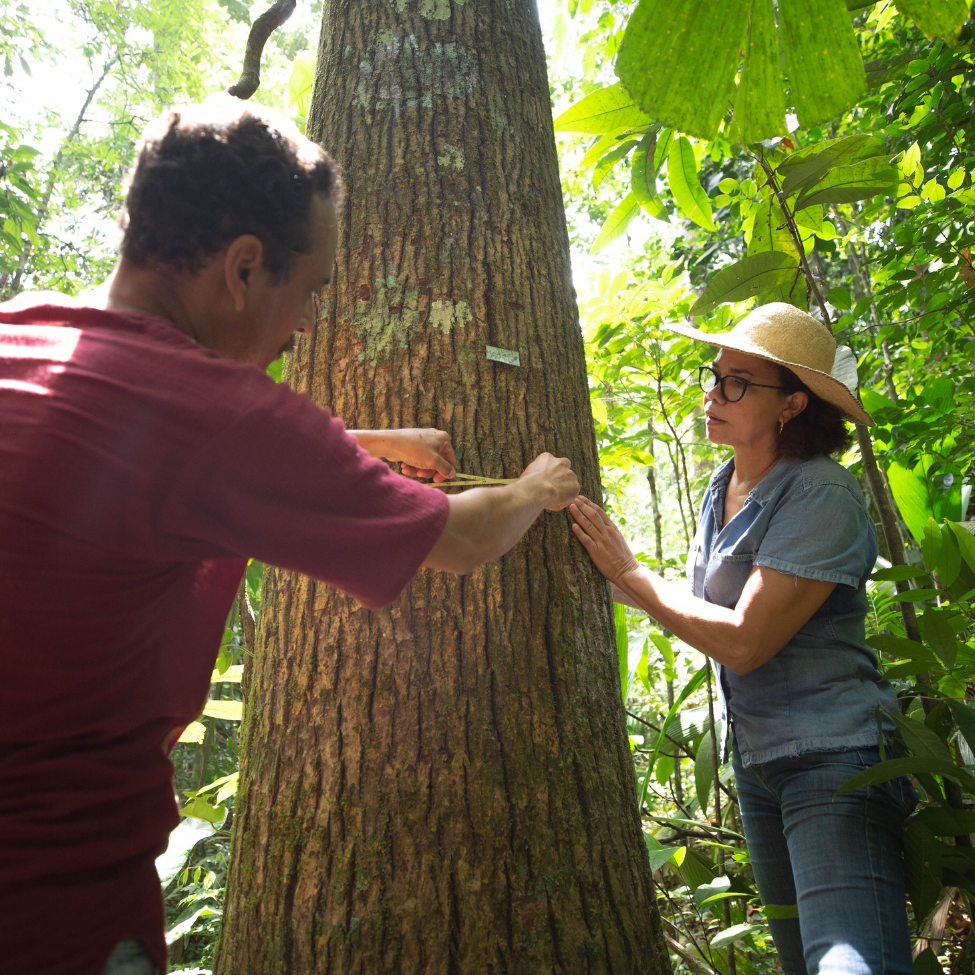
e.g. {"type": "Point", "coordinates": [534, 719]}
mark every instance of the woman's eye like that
{"type": "Point", "coordinates": [737, 384]}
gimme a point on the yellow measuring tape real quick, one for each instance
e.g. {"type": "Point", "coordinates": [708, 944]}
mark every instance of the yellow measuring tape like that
{"type": "Point", "coordinates": [473, 480]}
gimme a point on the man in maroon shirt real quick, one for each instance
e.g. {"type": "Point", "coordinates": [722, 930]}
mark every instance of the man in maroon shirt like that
{"type": "Point", "coordinates": [144, 455]}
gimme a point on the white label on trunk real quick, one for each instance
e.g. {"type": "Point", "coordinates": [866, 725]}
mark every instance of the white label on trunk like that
{"type": "Point", "coordinates": [503, 355]}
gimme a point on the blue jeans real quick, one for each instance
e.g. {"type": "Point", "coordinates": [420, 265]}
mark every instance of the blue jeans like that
{"type": "Point", "coordinates": [840, 859]}
{"type": "Point", "coordinates": [130, 958]}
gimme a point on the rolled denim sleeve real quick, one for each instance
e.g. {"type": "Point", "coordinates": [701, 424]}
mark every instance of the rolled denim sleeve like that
{"type": "Point", "coordinates": [822, 532]}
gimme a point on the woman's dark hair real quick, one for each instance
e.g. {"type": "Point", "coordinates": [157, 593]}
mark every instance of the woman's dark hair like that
{"type": "Point", "coordinates": [209, 173]}
{"type": "Point", "coordinates": [819, 429]}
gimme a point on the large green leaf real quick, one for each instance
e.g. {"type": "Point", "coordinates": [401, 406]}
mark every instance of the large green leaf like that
{"type": "Point", "coordinates": [227, 710]}
{"type": "Point", "coordinates": [622, 647]}
{"type": "Point", "coordinates": [746, 278]}
{"type": "Point", "coordinates": [926, 963]}
{"type": "Point", "coordinates": [678, 59]}
{"type": "Point", "coordinates": [769, 231]}
{"type": "Point", "coordinates": [911, 494]}
{"type": "Point", "coordinates": [921, 740]}
{"type": "Point", "coordinates": [659, 854]}
{"type": "Point", "coordinates": [605, 143]}
{"type": "Point", "coordinates": [617, 222]}
{"type": "Point", "coordinates": [780, 911]}
{"type": "Point", "coordinates": [922, 868]}
{"type": "Point", "coordinates": [689, 688]}
{"type": "Point", "coordinates": [689, 725]}
{"type": "Point", "coordinates": [298, 90]}
{"type": "Point", "coordinates": [730, 935]}
{"type": "Point", "coordinates": [896, 646]}
{"type": "Point", "coordinates": [704, 772]}
{"type": "Point", "coordinates": [712, 891]}
{"type": "Point", "coordinates": [966, 542]}
{"type": "Point", "coordinates": [965, 719]}
{"type": "Point", "coordinates": [694, 870]}
{"type": "Point", "coordinates": [894, 767]}
{"type": "Point", "coordinates": [760, 103]}
{"type": "Point", "coordinates": [643, 177]}
{"type": "Point", "coordinates": [688, 192]}
{"type": "Point", "coordinates": [822, 57]}
{"type": "Point", "coordinates": [937, 18]}
{"type": "Point", "coordinates": [181, 842]}
{"type": "Point", "coordinates": [606, 110]}
{"type": "Point", "coordinates": [846, 184]}
{"type": "Point", "coordinates": [839, 152]}
{"type": "Point", "coordinates": [605, 165]}
{"type": "Point", "coordinates": [940, 635]}
{"type": "Point", "coordinates": [792, 160]}
{"type": "Point", "coordinates": [945, 821]}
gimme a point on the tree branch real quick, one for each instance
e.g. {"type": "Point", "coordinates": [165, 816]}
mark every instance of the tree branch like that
{"type": "Point", "coordinates": [796, 240]}
{"type": "Point", "coordinates": [262, 28]}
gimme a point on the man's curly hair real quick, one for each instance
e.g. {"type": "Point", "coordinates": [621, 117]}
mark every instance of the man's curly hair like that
{"type": "Point", "coordinates": [207, 174]}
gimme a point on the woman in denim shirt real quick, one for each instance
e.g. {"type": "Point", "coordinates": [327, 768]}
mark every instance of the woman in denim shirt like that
{"type": "Point", "coordinates": [778, 602]}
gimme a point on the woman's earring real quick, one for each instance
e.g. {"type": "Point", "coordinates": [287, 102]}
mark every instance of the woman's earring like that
{"type": "Point", "coordinates": [781, 427]}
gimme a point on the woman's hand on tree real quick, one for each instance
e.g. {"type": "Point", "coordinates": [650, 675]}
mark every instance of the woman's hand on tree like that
{"type": "Point", "coordinates": [602, 540]}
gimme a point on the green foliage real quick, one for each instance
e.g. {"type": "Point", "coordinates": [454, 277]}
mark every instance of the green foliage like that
{"type": "Point", "coordinates": [604, 111]}
{"type": "Point", "coordinates": [867, 221]}
{"type": "Point", "coordinates": [18, 198]}
{"type": "Point", "coordinates": [682, 177]}
{"type": "Point", "coordinates": [665, 45]}
{"type": "Point", "coordinates": [752, 275]}
{"type": "Point", "coordinates": [661, 58]}
{"type": "Point", "coordinates": [58, 207]}
{"type": "Point", "coordinates": [298, 90]}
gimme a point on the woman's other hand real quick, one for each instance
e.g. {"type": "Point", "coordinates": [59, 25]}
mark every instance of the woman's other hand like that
{"type": "Point", "coordinates": [602, 540]}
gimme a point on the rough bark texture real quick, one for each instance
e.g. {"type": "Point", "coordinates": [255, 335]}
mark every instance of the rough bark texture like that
{"type": "Point", "coordinates": [444, 785]}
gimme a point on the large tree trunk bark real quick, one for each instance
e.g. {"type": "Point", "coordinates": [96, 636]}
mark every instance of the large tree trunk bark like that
{"type": "Point", "coordinates": [445, 785]}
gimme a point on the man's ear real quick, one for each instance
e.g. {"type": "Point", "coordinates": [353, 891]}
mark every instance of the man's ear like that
{"type": "Point", "coordinates": [244, 256]}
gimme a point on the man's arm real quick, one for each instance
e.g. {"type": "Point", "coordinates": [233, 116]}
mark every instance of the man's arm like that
{"type": "Point", "coordinates": [423, 452]}
{"type": "Point", "coordinates": [484, 523]}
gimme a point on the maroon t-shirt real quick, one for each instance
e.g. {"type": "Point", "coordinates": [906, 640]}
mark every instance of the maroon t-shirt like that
{"type": "Point", "coordinates": [138, 471]}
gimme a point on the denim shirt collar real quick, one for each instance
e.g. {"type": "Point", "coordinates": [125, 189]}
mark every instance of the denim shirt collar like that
{"type": "Point", "coordinates": [762, 491]}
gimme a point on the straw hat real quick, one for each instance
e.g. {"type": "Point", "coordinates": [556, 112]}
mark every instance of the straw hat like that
{"type": "Point", "coordinates": [783, 334]}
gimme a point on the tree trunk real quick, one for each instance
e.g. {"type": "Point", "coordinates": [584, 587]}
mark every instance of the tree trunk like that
{"type": "Point", "coordinates": [444, 785]}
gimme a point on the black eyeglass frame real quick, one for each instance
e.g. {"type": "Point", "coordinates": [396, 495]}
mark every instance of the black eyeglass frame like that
{"type": "Point", "coordinates": [720, 381]}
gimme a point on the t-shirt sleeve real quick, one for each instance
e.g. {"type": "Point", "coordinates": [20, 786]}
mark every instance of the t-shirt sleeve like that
{"type": "Point", "coordinates": [285, 483]}
{"type": "Point", "coordinates": [822, 532]}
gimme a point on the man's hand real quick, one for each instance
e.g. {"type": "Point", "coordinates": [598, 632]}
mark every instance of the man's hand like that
{"type": "Point", "coordinates": [554, 476]}
{"type": "Point", "coordinates": [484, 523]}
{"type": "Point", "coordinates": [602, 540]}
{"type": "Point", "coordinates": [423, 452]}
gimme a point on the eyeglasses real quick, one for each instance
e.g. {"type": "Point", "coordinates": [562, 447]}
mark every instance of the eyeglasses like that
{"type": "Point", "coordinates": [732, 387]}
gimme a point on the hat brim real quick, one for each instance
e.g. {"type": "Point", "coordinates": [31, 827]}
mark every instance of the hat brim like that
{"type": "Point", "coordinates": [821, 383]}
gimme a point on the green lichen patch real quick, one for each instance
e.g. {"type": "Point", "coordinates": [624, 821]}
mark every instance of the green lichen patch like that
{"type": "Point", "coordinates": [430, 9]}
{"type": "Point", "coordinates": [387, 320]}
{"type": "Point", "coordinates": [451, 156]}
{"type": "Point", "coordinates": [445, 315]}
{"type": "Point", "coordinates": [397, 72]}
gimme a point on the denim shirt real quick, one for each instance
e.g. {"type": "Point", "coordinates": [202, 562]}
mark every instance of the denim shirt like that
{"type": "Point", "coordinates": [820, 692]}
